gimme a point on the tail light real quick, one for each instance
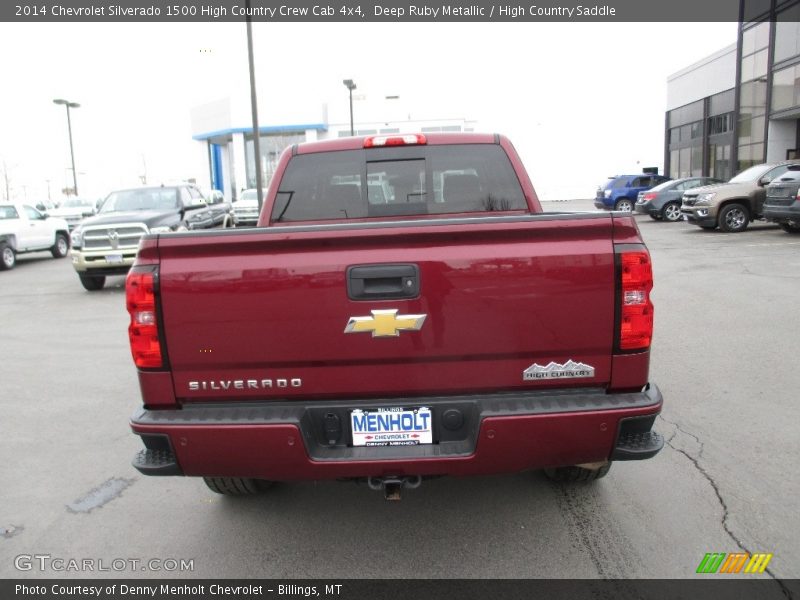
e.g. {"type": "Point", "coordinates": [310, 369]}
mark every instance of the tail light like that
{"type": "Point", "coordinates": [140, 297]}
{"type": "Point", "coordinates": [412, 139]}
{"type": "Point", "coordinates": [636, 309]}
{"type": "Point", "coordinates": [648, 197]}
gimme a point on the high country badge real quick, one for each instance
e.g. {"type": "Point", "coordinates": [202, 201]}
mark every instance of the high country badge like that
{"type": "Point", "coordinates": [569, 370]}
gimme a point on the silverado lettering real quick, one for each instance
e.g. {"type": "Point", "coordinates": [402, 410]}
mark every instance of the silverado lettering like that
{"type": "Point", "coordinates": [240, 384]}
{"type": "Point", "coordinates": [534, 353]}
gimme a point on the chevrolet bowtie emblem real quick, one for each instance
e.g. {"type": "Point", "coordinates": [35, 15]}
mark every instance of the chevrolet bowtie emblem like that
{"type": "Point", "coordinates": [385, 323]}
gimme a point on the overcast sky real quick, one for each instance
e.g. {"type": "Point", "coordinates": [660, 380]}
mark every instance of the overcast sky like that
{"type": "Point", "coordinates": [581, 101]}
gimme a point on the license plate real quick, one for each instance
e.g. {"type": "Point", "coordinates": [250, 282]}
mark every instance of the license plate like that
{"type": "Point", "coordinates": [391, 426]}
{"type": "Point", "coordinates": [114, 259]}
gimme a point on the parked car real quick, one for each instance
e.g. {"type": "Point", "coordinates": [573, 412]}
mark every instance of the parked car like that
{"type": "Point", "coordinates": [664, 200]}
{"type": "Point", "coordinates": [74, 210]}
{"type": "Point", "coordinates": [782, 204]}
{"type": "Point", "coordinates": [221, 211]}
{"type": "Point", "coordinates": [245, 209]}
{"type": "Point", "coordinates": [25, 229]}
{"type": "Point", "coordinates": [106, 244]}
{"type": "Point", "coordinates": [732, 205]}
{"type": "Point", "coordinates": [45, 206]}
{"type": "Point", "coordinates": [620, 192]}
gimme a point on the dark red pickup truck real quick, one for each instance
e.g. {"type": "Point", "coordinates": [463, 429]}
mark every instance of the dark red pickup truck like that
{"type": "Point", "coordinates": [404, 309]}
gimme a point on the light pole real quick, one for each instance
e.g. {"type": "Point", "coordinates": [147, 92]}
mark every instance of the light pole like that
{"type": "Point", "coordinates": [350, 86]}
{"type": "Point", "coordinates": [69, 105]}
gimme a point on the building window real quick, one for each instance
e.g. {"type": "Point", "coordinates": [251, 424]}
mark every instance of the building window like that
{"type": "Point", "coordinates": [786, 88]}
{"type": "Point", "coordinates": [753, 92]}
{"type": "Point", "coordinates": [749, 155]}
{"type": "Point", "coordinates": [787, 33]}
{"type": "Point", "coordinates": [719, 161]}
{"type": "Point", "coordinates": [754, 65]}
{"type": "Point", "coordinates": [755, 38]}
{"type": "Point", "coordinates": [686, 114]}
{"type": "Point", "coordinates": [721, 103]}
{"type": "Point", "coordinates": [674, 164]}
{"type": "Point", "coordinates": [720, 124]}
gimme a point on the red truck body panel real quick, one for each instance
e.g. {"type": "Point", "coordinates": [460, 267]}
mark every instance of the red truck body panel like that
{"type": "Point", "coordinates": [497, 300]}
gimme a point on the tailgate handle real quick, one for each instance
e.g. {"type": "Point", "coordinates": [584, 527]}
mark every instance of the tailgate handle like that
{"type": "Point", "coordinates": [382, 282]}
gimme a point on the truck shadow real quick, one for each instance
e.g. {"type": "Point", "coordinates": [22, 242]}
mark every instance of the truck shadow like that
{"type": "Point", "coordinates": [449, 527]}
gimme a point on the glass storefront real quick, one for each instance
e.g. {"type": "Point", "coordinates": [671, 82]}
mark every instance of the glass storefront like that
{"type": "Point", "coordinates": [270, 148]}
{"type": "Point", "coordinates": [787, 34]}
{"type": "Point", "coordinates": [754, 69]}
{"type": "Point", "coordinates": [705, 126]}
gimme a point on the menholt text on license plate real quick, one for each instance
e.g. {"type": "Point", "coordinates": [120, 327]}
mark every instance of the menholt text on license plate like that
{"type": "Point", "coordinates": [391, 426]}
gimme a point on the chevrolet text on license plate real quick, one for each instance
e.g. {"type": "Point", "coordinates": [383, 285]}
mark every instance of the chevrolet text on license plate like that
{"type": "Point", "coordinates": [391, 427]}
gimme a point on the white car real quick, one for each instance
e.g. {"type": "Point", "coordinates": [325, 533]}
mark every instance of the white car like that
{"type": "Point", "coordinates": [245, 209]}
{"type": "Point", "coordinates": [74, 210]}
{"type": "Point", "coordinates": [25, 229]}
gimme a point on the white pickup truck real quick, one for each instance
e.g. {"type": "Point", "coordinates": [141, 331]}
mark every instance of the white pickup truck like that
{"type": "Point", "coordinates": [25, 229]}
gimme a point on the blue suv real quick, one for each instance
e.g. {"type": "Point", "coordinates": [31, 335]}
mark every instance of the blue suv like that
{"type": "Point", "coordinates": [620, 192]}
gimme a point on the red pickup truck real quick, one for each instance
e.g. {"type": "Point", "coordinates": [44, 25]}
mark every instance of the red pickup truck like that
{"type": "Point", "coordinates": [404, 309]}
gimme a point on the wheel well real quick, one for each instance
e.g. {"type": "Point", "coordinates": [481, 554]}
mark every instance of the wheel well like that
{"type": "Point", "coordinates": [11, 240]}
{"type": "Point", "coordinates": [66, 235]}
{"type": "Point", "coordinates": [743, 202]}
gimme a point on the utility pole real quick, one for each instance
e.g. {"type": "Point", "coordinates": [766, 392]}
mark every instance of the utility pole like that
{"type": "Point", "coordinates": [254, 106]}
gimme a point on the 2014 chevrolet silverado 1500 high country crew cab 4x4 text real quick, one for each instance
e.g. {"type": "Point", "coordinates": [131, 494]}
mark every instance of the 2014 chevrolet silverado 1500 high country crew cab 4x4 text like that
{"type": "Point", "coordinates": [404, 309]}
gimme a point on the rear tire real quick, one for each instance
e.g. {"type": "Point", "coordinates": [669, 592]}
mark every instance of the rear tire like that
{"type": "Point", "coordinates": [8, 258]}
{"type": "Point", "coordinates": [624, 205]}
{"type": "Point", "coordinates": [671, 212]}
{"type": "Point", "coordinates": [61, 247]}
{"type": "Point", "coordinates": [733, 218]}
{"type": "Point", "coordinates": [236, 486]}
{"type": "Point", "coordinates": [92, 283]}
{"type": "Point", "coordinates": [576, 474]}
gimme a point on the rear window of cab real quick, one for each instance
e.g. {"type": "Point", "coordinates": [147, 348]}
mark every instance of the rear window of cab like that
{"type": "Point", "coordinates": [398, 181]}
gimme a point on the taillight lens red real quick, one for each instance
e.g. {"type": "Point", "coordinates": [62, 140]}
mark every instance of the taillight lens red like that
{"type": "Point", "coordinates": [648, 197]}
{"type": "Point", "coordinates": [140, 297]}
{"type": "Point", "coordinates": [636, 314]}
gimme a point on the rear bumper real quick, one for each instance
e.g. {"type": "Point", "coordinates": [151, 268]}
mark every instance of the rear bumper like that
{"type": "Point", "coordinates": [782, 214]}
{"type": "Point", "coordinates": [647, 209]}
{"type": "Point", "coordinates": [603, 204]}
{"type": "Point", "coordinates": [499, 433]}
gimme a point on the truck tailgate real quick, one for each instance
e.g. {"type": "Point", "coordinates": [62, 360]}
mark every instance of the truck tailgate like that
{"type": "Point", "coordinates": [265, 313]}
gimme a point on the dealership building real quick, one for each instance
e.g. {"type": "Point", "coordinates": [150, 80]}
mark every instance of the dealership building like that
{"type": "Point", "coordinates": [741, 105]}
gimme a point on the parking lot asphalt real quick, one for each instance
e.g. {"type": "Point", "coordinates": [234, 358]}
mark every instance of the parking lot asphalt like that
{"type": "Point", "coordinates": [724, 356]}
